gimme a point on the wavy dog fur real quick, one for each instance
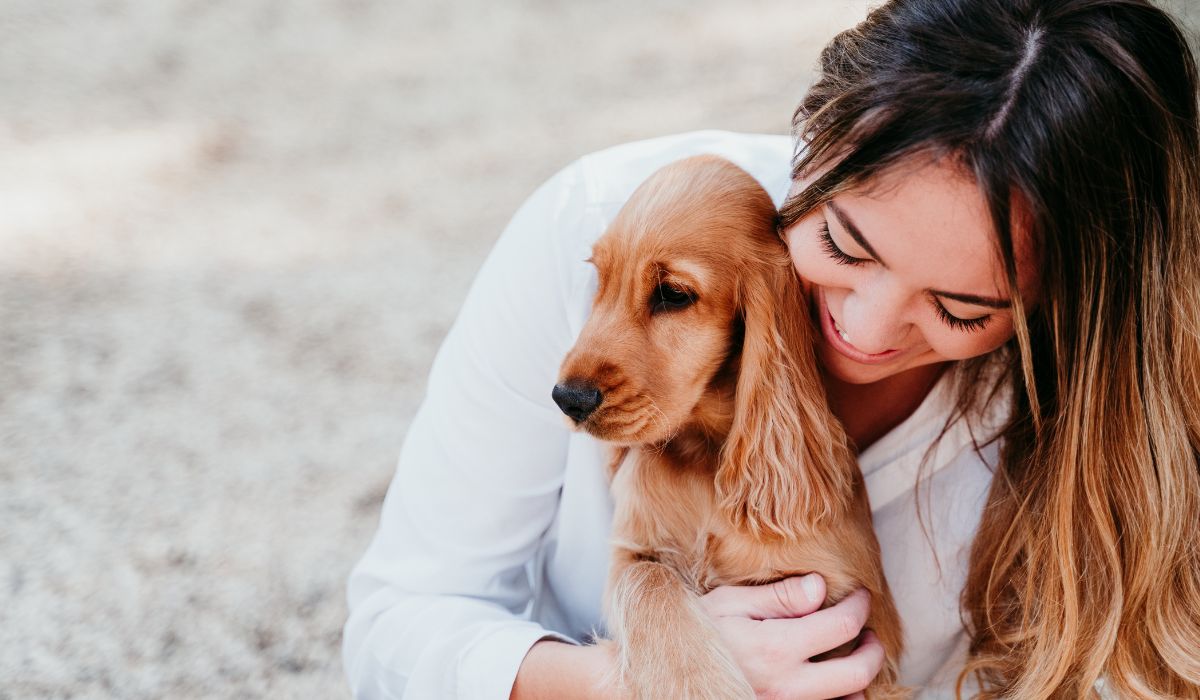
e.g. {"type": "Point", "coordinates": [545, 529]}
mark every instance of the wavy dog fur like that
{"type": "Point", "coordinates": [729, 467]}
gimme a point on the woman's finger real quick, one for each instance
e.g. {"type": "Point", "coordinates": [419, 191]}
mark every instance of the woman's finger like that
{"type": "Point", "coordinates": [847, 675]}
{"type": "Point", "coordinates": [826, 629]}
{"type": "Point", "coordinates": [790, 597]}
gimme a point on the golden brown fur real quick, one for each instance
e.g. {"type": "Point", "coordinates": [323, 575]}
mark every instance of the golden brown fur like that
{"type": "Point", "coordinates": [729, 469]}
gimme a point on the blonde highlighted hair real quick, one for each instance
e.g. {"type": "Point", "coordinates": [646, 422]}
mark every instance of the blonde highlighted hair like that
{"type": "Point", "coordinates": [1079, 118]}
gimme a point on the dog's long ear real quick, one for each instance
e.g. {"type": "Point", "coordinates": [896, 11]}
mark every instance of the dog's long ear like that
{"type": "Point", "coordinates": [785, 466]}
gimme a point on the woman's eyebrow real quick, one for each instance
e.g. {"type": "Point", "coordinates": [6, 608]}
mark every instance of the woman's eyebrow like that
{"type": "Point", "coordinates": [856, 234]}
{"type": "Point", "coordinates": [992, 302]}
{"type": "Point", "coordinates": [853, 230]}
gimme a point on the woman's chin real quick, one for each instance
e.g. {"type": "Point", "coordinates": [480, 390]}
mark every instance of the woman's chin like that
{"type": "Point", "coordinates": [846, 370]}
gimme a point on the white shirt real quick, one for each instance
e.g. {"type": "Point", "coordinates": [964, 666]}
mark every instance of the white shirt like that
{"type": "Point", "coordinates": [494, 533]}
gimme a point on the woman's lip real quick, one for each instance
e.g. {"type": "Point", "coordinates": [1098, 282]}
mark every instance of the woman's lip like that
{"type": "Point", "coordinates": [835, 340]}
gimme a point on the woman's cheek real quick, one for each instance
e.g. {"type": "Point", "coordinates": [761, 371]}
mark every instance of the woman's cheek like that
{"type": "Point", "coordinates": [953, 344]}
{"type": "Point", "coordinates": [812, 263]}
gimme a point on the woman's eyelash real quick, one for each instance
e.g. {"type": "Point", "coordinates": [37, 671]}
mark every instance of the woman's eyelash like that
{"type": "Point", "coordinates": [832, 250]}
{"type": "Point", "coordinates": [969, 325]}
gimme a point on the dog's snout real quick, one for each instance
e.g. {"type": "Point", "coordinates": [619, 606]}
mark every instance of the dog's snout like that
{"type": "Point", "coordinates": [577, 400]}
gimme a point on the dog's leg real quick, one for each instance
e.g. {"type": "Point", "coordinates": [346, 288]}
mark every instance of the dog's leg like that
{"type": "Point", "coordinates": [666, 648]}
{"type": "Point", "coordinates": [885, 620]}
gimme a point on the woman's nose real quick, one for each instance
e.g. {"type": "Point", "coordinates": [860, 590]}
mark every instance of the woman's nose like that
{"type": "Point", "coordinates": [874, 319]}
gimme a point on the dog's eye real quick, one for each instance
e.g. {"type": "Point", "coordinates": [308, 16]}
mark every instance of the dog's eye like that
{"type": "Point", "coordinates": [669, 298]}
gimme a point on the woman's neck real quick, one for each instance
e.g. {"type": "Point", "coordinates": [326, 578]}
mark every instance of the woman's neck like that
{"type": "Point", "coordinates": [870, 411]}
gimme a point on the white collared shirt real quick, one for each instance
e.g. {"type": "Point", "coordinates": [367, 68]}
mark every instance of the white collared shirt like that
{"type": "Point", "coordinates": [494, 533]}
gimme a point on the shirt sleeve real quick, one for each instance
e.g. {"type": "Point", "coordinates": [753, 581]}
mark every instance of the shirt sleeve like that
{"type": "Point", "coordinates": [436, 601]}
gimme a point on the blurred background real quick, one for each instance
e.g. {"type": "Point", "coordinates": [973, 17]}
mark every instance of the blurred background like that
{"type": "Point", "coordinates": [232, 235]}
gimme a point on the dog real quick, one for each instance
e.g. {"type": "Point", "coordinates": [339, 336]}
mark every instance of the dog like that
{"type": "Point", "coordinates": [697, 366]}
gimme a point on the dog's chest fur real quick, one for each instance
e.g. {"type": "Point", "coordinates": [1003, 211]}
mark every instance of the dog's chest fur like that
{"type": "Point", "coordinates": [697, 540]}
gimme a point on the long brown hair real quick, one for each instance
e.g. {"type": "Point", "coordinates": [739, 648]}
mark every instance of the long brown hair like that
{"type": "Point", "coordinates": [1086, 564]}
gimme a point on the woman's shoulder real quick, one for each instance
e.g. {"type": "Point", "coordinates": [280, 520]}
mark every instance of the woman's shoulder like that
{"type": "Point", "coordinates": [612, 174]}
{"type": "Point", "coordinates": [573, 209]}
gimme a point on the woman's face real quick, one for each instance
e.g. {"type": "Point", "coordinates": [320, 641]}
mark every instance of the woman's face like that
{"type": "Point", "coordinates": [905, 274]}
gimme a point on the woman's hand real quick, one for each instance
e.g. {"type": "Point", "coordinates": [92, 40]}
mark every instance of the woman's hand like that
{"type": "Point", "coordinates": [774, 629]}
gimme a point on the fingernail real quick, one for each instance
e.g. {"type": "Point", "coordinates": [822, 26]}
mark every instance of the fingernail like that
{"type": "Point", "coordinates": [812, 586]}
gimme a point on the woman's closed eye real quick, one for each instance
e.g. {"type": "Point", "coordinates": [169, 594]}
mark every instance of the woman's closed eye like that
{"type": "Point", "coordinates": [969, 325]}
{"type": "Point", "coordinates": [840, 256]}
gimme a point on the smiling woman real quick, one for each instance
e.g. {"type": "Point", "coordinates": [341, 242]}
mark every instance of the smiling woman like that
{"type": "Point", "coordinates": [994, 206]}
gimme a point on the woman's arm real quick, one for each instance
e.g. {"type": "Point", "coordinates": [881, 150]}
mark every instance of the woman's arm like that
{"type": "Point", "coordinates": [556, 671]}
{"type": "Point", "coordinates": [436, 601]}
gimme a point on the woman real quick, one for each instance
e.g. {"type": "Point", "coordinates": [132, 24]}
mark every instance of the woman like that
{"type": "Point", "coordinates": [995, 208]}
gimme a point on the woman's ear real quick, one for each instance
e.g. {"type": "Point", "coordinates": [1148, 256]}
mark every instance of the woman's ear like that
{"type": "Point", "coordinates": [785, 466]}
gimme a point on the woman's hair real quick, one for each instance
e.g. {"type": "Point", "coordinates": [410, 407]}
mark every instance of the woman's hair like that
{"type": "Point", "coordinates": [1078, 121]}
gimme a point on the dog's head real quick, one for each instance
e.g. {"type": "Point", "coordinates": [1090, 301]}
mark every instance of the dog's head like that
{"type": "Point", "coordinates": [699, 313]}
{"type": "Point", "coordinates": [665, 317]}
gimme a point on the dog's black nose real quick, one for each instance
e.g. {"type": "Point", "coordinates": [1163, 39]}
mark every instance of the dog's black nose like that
{"type": "Point", "coordinates": [577, 400]}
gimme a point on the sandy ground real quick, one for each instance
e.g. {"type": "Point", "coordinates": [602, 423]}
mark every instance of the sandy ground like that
{"type": "Point", "coordinates": [232, 235]}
